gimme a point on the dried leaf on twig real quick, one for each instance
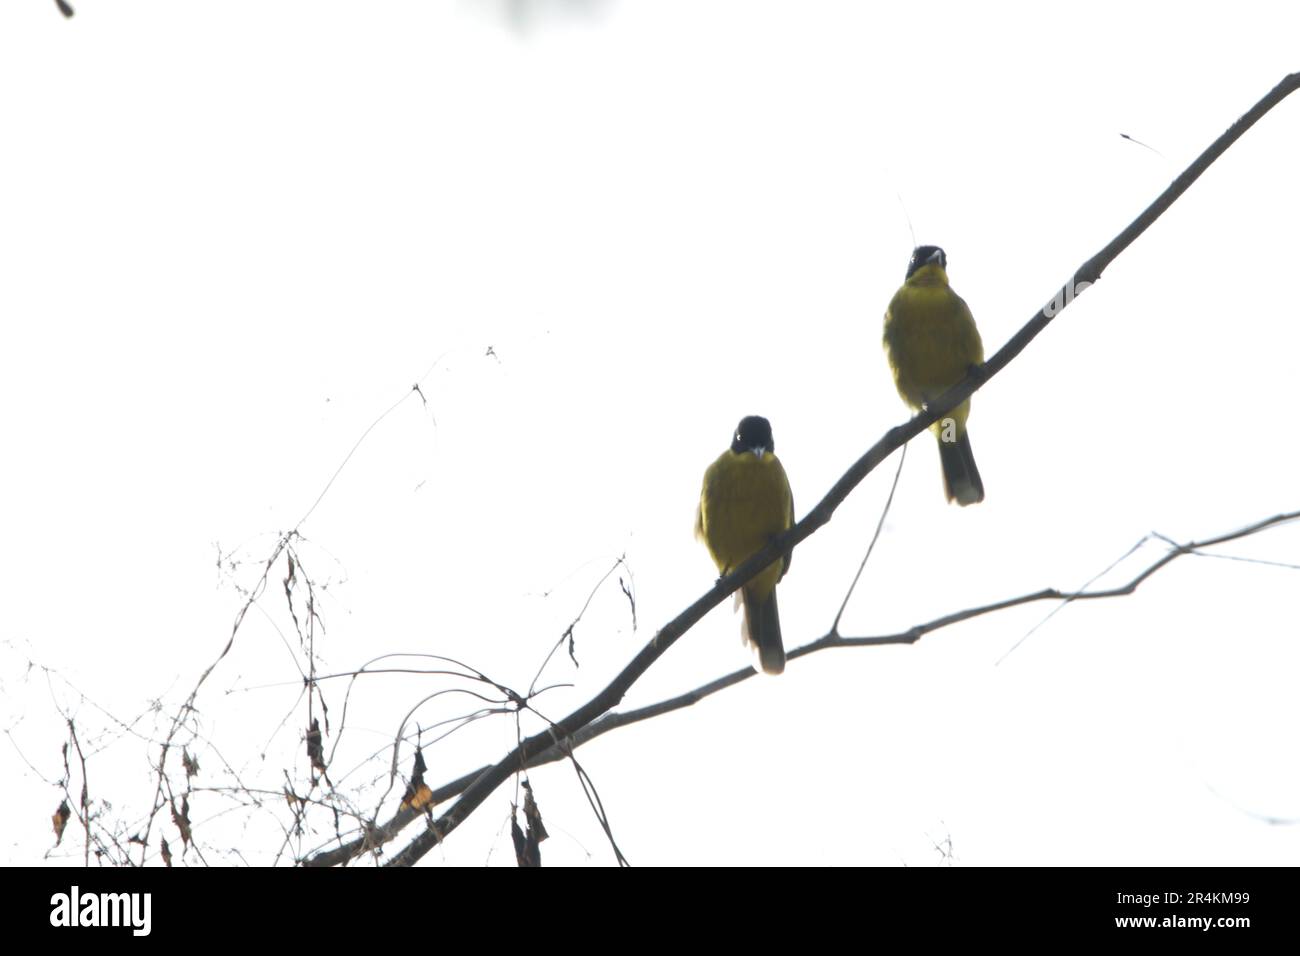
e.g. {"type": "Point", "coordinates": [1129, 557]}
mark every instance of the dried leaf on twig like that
{"type": "Point", "coordinates": [60, 820]}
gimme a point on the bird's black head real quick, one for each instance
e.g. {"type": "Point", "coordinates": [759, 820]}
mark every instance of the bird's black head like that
{"type": "Point", "coordinates": [753, 432]}
{"type": "Point", "coordinates": [924, 256]}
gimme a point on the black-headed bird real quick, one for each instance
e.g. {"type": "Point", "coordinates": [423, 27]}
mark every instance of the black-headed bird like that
{"type": "Point", "coordinates": [745, 502]}
{"type": "Point", "coordinates": [931, 343]}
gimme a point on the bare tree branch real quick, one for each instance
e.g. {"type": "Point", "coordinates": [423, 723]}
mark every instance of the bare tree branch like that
{"type": "Point", "coordinates": [1084, 276]}
{"type": "Point", "coordinates": [563, 733]}
{"type": "Point", "coordinates": [563, 749]}
{"type": "Point", "coordinates": [914, 634]}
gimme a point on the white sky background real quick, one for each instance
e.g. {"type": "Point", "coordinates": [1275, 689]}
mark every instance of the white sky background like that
{"type": "Point", "coordinates": [232, 235]}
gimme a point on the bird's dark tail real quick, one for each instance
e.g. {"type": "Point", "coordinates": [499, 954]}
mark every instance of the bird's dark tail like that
{"type": "Point", "coordinates": [761, 629]}
{"type": "Point", "coordinates": [961, 479]}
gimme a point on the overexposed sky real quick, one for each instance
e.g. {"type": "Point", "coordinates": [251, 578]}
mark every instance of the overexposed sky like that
{"type": "Point", "coordinates": [597, 234]}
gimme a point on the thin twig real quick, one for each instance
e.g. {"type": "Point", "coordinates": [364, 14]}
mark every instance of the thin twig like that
{"type": "Point", "coordinates": [85, 790]}
{"type": "Point", "coordinates": [884, 513]}
{"type": "Point", "coordinates": [1060, 607]}
{"type": "Point", "coordinates": [568, 631]}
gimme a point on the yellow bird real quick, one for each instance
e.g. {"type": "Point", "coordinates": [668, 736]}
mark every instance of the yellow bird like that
{"type": "Point", "coordinates": [745, 502]}
{"type": "Point", "coordinates": [931, 342]}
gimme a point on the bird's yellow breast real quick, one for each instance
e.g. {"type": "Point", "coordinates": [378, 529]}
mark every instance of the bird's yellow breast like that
{"type": "Point", "coordinates": [744, 503]}
{"type": "Point", "coordinates": [930, 338]}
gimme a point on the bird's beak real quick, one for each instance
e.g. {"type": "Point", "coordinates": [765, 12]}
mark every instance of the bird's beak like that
{"type": "Point", "coordinates": [759, 452]}
{"type": "Point", "coordinates": [934, 257]}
